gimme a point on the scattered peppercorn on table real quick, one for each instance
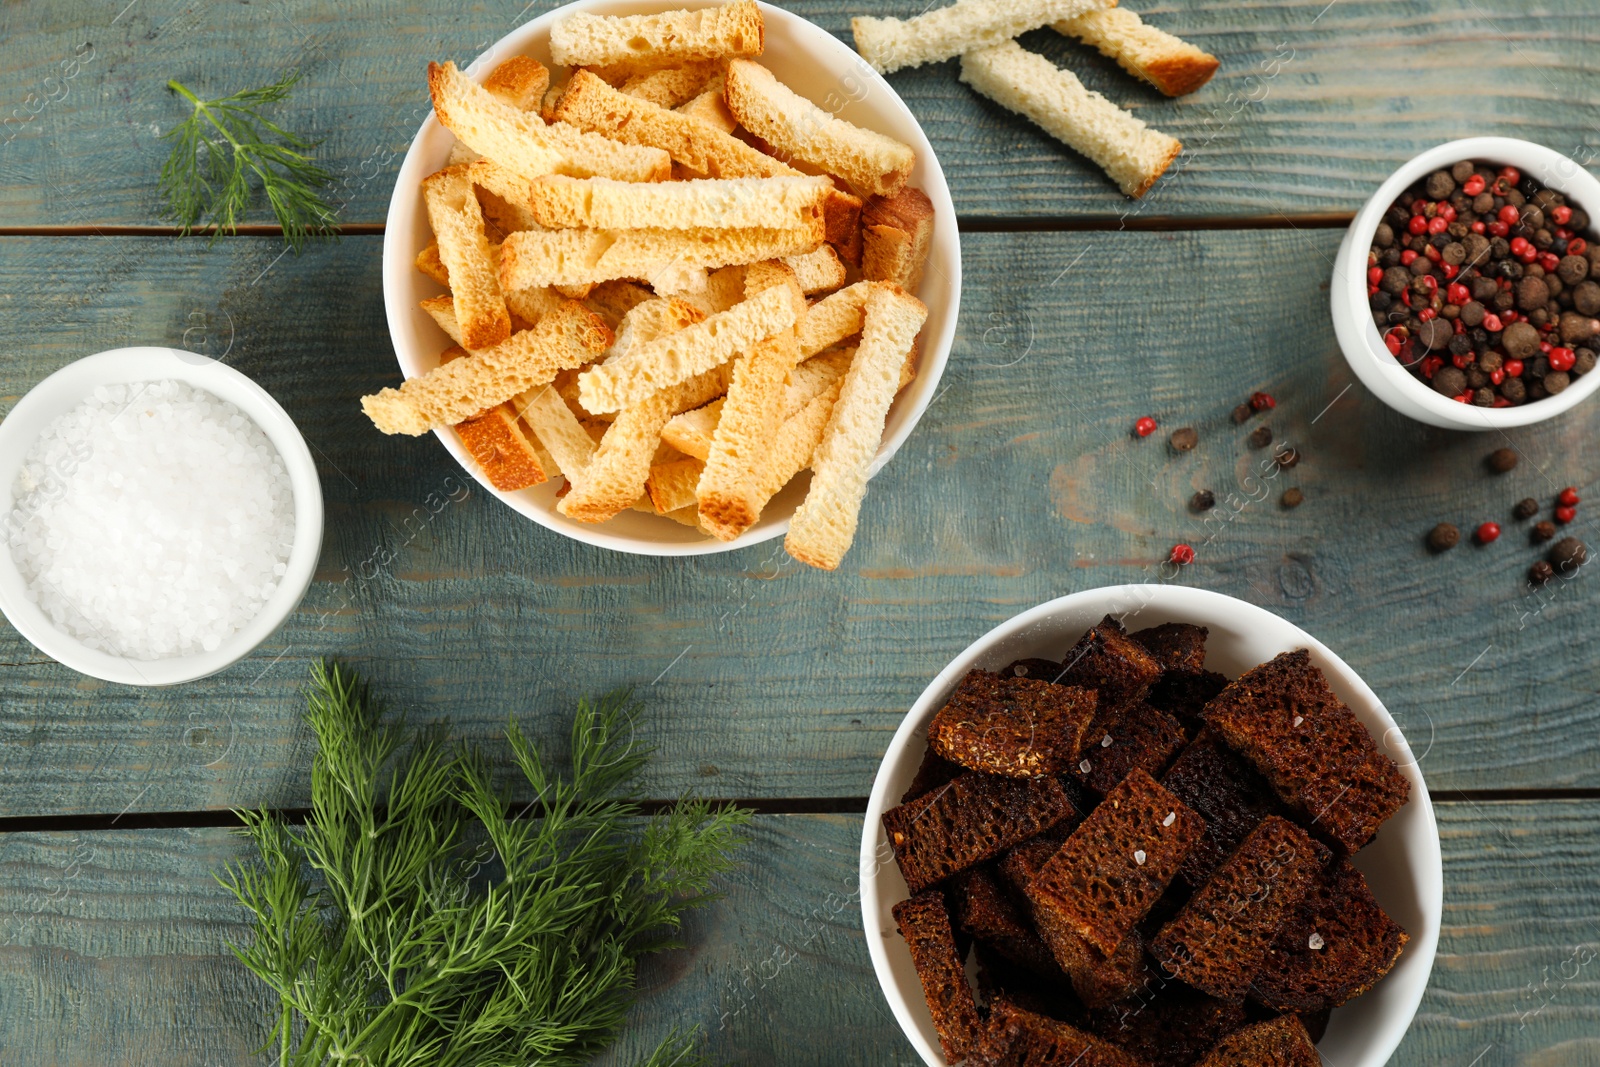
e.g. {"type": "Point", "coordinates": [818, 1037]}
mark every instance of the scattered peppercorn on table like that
{"type": "Point", "coordinates": [1031, 475]}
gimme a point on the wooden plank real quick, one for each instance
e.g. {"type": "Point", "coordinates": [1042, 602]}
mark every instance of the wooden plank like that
{"type": "Point", "coordinates": [766, 679]}
{"type": "Point", "coordinates": [114, 950]}
{"type": "Point", "coordinates": [1314, 105]}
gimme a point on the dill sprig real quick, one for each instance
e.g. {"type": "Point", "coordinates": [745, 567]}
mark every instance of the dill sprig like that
{"type": "Point", "coordinates": [222, 144]}
{"type": "Point", "coordinates": [415, 920]}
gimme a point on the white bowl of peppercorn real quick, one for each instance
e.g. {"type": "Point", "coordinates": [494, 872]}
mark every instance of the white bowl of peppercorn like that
{"type": "Point", "coordinates": [1466, 293]}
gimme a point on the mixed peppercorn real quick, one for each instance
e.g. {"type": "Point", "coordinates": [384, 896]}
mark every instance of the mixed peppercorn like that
{"type": "Point", "coordinates": [1480, 283]}
{"type": "Point", "coordinates": [1565, 557]}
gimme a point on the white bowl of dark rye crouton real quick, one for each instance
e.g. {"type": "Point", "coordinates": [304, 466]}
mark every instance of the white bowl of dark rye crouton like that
{"type": "Point", "coordinates": [1401, 864]}
{"type": "Point", "coordinates": [814, 64]}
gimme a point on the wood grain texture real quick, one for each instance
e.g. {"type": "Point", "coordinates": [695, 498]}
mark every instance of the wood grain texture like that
{"type": "Point", "coordinates": [765, 679]}
{"type": "Point", "coordinates": [1314, 105]}
{"type": "Point", "coordinates": [113, 945]}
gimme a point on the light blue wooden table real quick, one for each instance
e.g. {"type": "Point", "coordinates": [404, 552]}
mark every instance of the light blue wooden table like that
{"type": "Point", "coordinates": [766, 682]}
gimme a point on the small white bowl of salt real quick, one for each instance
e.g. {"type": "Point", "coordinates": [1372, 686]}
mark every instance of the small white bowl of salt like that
{"type": "Point", "coordinates": [160, 516]}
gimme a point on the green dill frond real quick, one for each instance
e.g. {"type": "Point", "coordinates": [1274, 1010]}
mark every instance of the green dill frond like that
{"type": "Point", "coordinates": [222, 145]}
{"type": "Point", "coordinates": [388, 939]}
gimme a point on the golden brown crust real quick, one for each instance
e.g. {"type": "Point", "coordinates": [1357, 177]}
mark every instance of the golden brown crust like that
{"type": "Point", "coordinates": [1178, 75]}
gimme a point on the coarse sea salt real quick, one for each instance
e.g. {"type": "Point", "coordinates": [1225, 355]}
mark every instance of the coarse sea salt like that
{"type": "Point", "coordinates": [153, 520]}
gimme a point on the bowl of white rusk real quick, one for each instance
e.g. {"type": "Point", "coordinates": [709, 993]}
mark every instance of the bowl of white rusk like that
{"type": "Point", "coordinates": [666, 195]}
{"type": "Point", "coordinates": [162, 516]}
{"type": "Point", "coordinates": [1382, 969]}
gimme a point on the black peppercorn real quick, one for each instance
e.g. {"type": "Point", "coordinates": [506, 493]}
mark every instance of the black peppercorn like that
{"type": "Point", "coordinates": [1543, 531]}
{"type": "Point", "coordinates": [1242, 413]}
{"type": "Point", "coordinates": [1502, 460]}
{"type": "Point", "coordinates": [1540, 572]}
{"type": "Point", "coordinates": [1526, 508]}
{"type": "Point", "coordinates": [1261, 437]}
{"type": "Point", "coordinates": [1204, 500]}
{"type": "Point", "coordinates": [1567, 555]}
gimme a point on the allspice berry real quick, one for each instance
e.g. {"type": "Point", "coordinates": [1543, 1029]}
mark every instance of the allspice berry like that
{"type": "Point", "coordinates": [1567, 555]}
{"type": "Point", "coordinates": [1242, 413]}
{"type": "Point", "coordinates": [1293, 498]}
{"type": "Point", "coordinates": [1443, 537]}
{"type": "Point", "coordinates": [1184, 439]}
{"type": "Point", "coordinates": [1502, 460]}
{"type": "Point", "coordinates": [1261, 437]}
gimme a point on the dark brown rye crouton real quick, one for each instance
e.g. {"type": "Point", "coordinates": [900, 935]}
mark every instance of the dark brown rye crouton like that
{"type": "Point", "coordinates": [1017, 727]}
{"type": "Point", "coordinates": [1172, 1026]}
{"type": "Point", "coordinates": [1118, 861]}
{"type": "Point", "coordinates": [1096, 978]}
{"type": "Point", "coordinates": [932, 772]}
{"type": "Point", "coordinates": [1280, 1042]}
{"type": "Point", "coordinates": [1019, 1038]}
{"type": "Point", "coordinates": [1227, 793]}
{"type": "Point", "coordinates": [1220, 939]}
{"type": "Point", "coordinates": [999, 977]}
{"type": "Point", "coordinates": [1046, 670]}
{"type": "Point", "coordinates": [1184, 694]}
{"type": "Point", "coordinates": [1335, 948]}
{"type": "Point", "coordinates": [1313, 751]}
{"type": "Point", "coordinates": [1108, 661]}
{"type": "Point", "coordinates": [1316, 1023]}
{"type": "Point", "coordinates": [925, 924]}
{"type": "Point", "coordinates": [987, 912]}
{"type": "Point", "coordinates": [1141, 736]}
{"type": "Point", "coordinates": [1178, 645]}
{"type": "Point", "coordinates": [968, 820]}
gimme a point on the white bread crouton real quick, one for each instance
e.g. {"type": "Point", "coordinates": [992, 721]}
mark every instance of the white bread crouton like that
{"type": "Point", "coordinates": [669, 38]}
{"type": "Point", "coordinates": [519, 81]}
{"type": "Point", "coordinates": [1131, 153]}
{"type": "Point", "coordinates": [678, 357]}
{"type": "Point", "coordinates": [590, 104]}
{"type": "Point", "coordinates": [817, 272]}
{"type": "Point", "coordinates": [714, 203]}
{"type": "Point", "coordinates": [673, 86]}
{"type": "Point", "coordinates": [496, 443]}
{"type": "Point", "coordinates": [457, 222]}
{"type": "Point", "coordinates": [691, 432]}
{"type": "Point", "coordinates": [567, 257]}
{"type": "Point", "coordinates": [889, 44]}
{"type": "Point", "coordinates": [462, 388]}
{"type": "Point", "coordinates": [1170, 63]}
{"type": "Point", "coordinates": [796, 128]}
{"type": "Point", "coordinates": [825, 524]}
{"type": "Point", "coordinates": [833, 318]}
{"type": "Point", "coordinates": [710, 107]}
{"type": "Point", "coordinates": [795, 444]}
{"type": "Point", "coordinates": [671, 484]}
{"type": "Point", "coordinates": [750, 417]}
{"type": "Point", "coordinates": [521, 141]}
{"type": "Point", "coordinates": [557, 429]}
{"type": "Point", "coordinates": [896, 234]}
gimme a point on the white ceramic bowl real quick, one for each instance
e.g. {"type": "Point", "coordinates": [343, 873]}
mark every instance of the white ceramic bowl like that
{"type": "Point", "coordinates": [815, 64]}
{"type": "Point", "coordinates": [1352, 318]}
{"type": "Point", "coordinates": [1402, 864]}
{"type": "Point", "coordinates": [63, 391]}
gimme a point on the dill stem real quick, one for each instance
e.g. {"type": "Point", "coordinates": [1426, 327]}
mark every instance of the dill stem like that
{"type": "Point", "coordinates": [201, 108]}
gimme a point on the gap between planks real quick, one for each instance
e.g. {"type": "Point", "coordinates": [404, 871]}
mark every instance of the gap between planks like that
{"type": "Point", "coordinates": [986, 224]}
{"type": "Point", "coordinates": [170, 820]}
